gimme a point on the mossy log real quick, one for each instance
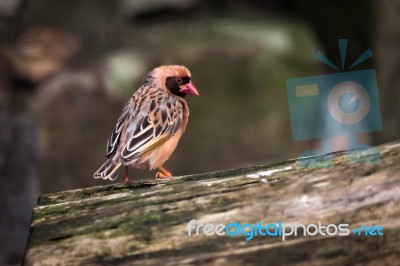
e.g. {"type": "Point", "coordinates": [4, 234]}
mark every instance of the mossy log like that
{"type": "Point", "coordinates": [144, 222]}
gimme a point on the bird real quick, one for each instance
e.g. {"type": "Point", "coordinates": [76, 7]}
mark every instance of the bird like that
{"type": "Point", "coordinates": [151, 124]}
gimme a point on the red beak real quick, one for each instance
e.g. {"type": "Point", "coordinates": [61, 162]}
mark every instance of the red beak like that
{"type": "Point", "coordinates": [189, 88]}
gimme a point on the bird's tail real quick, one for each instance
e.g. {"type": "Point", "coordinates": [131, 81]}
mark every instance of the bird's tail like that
{"type": "Point", "coordinates": [109, 170]}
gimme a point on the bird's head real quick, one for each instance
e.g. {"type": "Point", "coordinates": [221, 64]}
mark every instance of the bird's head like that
{"type": "Point", "coordinates": [175, 79]}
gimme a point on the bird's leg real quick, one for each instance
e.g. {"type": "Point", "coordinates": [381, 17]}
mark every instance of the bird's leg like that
{"type": "Point", "coordinates": [164, 174]}
{"type": "Point", "coordinates": [126, 180]}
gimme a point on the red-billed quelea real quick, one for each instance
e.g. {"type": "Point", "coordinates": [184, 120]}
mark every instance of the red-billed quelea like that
{"type": "Point", "coordinates": [151, 123]}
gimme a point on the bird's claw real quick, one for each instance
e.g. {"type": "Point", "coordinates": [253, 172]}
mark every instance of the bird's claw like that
{"type": "Point", "coordinates": [161, 175]}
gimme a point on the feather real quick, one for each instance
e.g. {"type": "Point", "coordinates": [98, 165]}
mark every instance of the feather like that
{"type": "Point", "coordinates": [108, 170]}
{"type": "Point", "coordinates": [155, 129]}
{"type": "Point", "coordinates": [114, 139]}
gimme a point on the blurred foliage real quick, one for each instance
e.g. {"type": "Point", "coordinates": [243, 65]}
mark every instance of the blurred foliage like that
{"type": "Point", "coordinates": [240, 55]}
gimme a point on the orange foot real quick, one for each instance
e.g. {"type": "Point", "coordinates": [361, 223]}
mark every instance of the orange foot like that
{"type": "Point", "coordinates": [164, 174]}
{"type": "Point", "coordinates": [126, 178]}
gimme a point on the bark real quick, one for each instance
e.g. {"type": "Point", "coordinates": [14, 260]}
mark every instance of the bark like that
{"type": "Point", "coordinates": [144, 222]}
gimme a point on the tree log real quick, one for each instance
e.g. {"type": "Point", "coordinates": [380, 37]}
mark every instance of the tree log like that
{"type": "Point", "coordinates": [144, 222]}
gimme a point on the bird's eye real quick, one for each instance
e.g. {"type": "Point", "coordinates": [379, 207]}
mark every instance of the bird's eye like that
{"type": "Point", "coordinates": [179, 81]}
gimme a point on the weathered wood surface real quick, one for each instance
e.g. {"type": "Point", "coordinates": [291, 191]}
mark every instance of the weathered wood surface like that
{"type": "Point", "coordinates": [144, 222]}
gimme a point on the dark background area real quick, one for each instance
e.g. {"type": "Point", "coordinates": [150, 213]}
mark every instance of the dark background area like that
{"type": "Point", "coordinates": [68, 67]}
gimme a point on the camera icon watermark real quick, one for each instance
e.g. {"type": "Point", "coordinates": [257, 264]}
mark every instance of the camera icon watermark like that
{"type": "Point", "coordinates": [343, 104]}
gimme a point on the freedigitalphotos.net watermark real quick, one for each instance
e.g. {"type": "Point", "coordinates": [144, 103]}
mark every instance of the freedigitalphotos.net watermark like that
{"type": "Point", "coordinates": [336, 106]}
{"type": "Point", "coordinates": [279, 229]}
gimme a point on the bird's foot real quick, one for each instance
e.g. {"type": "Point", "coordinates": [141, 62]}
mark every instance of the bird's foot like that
{"type": "Point", "coordinates": [160, 175]}
{"type": "Point", "coordinates": [126, 179]}
{"type": "Point", "coordinates": [163, 174]}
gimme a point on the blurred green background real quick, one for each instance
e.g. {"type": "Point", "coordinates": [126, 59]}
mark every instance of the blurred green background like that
{"type": "Point", "coordinates": [68, 67]}
{"type": "Point", "coordinates": [240, 55]}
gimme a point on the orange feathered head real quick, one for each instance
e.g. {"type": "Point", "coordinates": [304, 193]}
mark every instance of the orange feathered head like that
{"type": "Point", "coordinates": [176, 79]}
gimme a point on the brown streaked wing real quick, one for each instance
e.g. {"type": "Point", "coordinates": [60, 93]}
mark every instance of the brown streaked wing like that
{"type": "Point", "coordinates": [115, 137]}
{"type": "Point", "coordinates": [161, 121]}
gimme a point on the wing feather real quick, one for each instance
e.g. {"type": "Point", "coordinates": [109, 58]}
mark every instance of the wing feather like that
{"type": "Point", "coordinates": [161, 122]}
{"type": "Point", "coordinates": [115, 137]}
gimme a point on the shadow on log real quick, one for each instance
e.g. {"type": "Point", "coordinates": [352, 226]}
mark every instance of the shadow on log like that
{"type": "Point", "coordinates": [144, 222]}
